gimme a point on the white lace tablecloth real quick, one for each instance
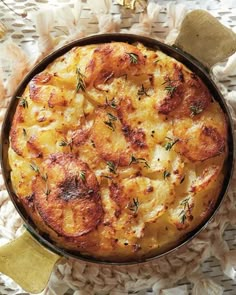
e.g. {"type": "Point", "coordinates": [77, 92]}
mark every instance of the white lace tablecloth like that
{"type": "Point", "coordinates": [80, 277]}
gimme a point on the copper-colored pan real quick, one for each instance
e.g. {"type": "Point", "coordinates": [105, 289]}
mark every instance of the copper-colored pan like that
{"type": "Point", "coordinates": [35, 254]}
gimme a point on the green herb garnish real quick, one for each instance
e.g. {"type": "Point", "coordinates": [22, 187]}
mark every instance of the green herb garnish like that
{"type": "Point", "coordinates": [80, 81]}
{"type": "Point", "coordinates": [134, 160]}
{"type": "Point", "coordinates": [112, 167]}
{"type": "Point", "coordinates": [170, 89]}
{"type": "Point", "coordinates": [112, 103]}
{"type": "Point", "coordinates": [44, 177]}
{"type": "Point", "coordinates": [166, 174]}
{"type": "Point", "coordinates": [34, 167]}
{"type": "Point", "coordinates": [185, 203]}
{"type": "Point", "coordinates": [183, 216]}
{"type": "Point", "coordinates": [134, 205]}
{"type": "Point", "coordinates": [110, 122]}
{"type": "Point", "coordinates": [195, 109]}
{"type": "Point", "coordinates": [47, 191]}
{"type": "Point", "coordinates": [133, 57]}
{"type": "Point", "coordinates": [170, 144]}
{"type": "Point", "coordinates": [82, 175]}
{"type": "Point", "coordinates": [142, 91]}
{"type": "Point", "coordinates": [65, 143]}
{"type": "Point", "coordinates": [23, 102]}
{"type": "Point", "coordinates": [186, 209]}
{"type": "Point", "coordinates": [24, 132]}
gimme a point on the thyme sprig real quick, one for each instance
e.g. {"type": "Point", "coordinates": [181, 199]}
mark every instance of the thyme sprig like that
{"type": "Point", "coordinates": [66, 143]}
{"type": "Point", "coordinates": [47, 190]}
{"type": "Point", "coordinates": [82, 175]}
{"type": "Point", "coordinates": [23, 102]}
{"type": "Point", "coordinates": [195, 109]}
{"type": "Point", "coordinates": [111, 121]}
{"type": "Point", "coordinates": [186, 209]}
{"type": "Point", "coordinates": [143, 91]}
{"type": "Point", "coordinates": [80, 81]}
{"type": "Point", "coordinates": [171, 143]}
{"type": "Point", "coordinates": [34, 167]}
{"type": "Point", "coordinates": [166, 174]}
{"type": "Point", "coordinates": [170, 87]}
{"type": "Point", "coordinates": [111, 103]}
{"type": "Point", "coordinates": [44, 177]}
{"type": "Point", "coordinates": [134, 205]}
{"type": "Point", "coordinates": [112, 167]}
{"type": "Point", "coordinates": [134, 160]}
{"type": "Point", "coordinates": [24, 132]}
{"type": "Point", "coordinates": [182, 216]}
{"type": "Point", "coordinates": [133, 57]}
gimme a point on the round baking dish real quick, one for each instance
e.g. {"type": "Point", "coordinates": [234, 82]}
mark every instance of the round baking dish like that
{"type": "Point", "coordinates": [195, 66]}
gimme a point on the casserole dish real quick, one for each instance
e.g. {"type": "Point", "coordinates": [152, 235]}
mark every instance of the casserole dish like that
{"type": "Point", "coordinates": [49, 259]}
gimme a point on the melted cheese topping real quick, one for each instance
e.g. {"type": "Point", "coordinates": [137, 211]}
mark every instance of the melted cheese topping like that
{"type": "Point", "coordinates": [117, 151]}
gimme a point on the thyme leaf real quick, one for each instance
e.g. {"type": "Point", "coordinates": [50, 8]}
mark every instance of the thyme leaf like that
{"type": "Point", "coordinates": [186, 209]}
{"type": "Point", "coordinates": [143, 91]}
{"type": "Point", "coordinates": [183, 216]}
{"type": "Point", "coordinates": [133, 57]}
{"type": "Point", "coordinates": [24, 132]}
{"type": "Point", "coordinates": [80, 81]}
{"type": "Point", "coordinates": [47, 191]}
{"type": "Point", "coordinates": [170, 89]}
{"type": "Point", "coordinates": [65, 143]}
{"type": "Point", "coordinates": [134, 160]}
{"type": "Point", "coordinates": [44, 177]}
{"type": "Point", "coordinates": [195, 109]}
{"type": "Point", "coordinates": [112, 117]}
{"type": "Point", "coordinates": [23, 102]}
{"type": "Point", "coordinates": [112, 103]}
{"type": "Point", "coordinates": [182, 180]}
{"type": "Point", "coordinates": [34, 167]}
{"type": "Point", "coordinates": [82, 175]}
{"type": "Point", "coordinates": [170, 144]}
{"type": "Point", "coordinates": [185, 203]}
{"type": "Point", "coordinates": [110, 122]}
{"type": "Point", "coordinates": [166, 174]}
{"type": "Point", "coordinates": [112, 167]}
{"type": "Point", "coordinates": [134, 205]}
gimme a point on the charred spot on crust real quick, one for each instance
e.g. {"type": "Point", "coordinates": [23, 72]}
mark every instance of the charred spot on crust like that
{"type": "Point", "coordinates": [73, 187]}
{"type": "Point", "coordinates": [67, 196]}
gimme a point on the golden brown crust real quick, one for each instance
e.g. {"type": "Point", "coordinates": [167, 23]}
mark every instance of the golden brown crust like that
{"type": "Point", "coordinates": [69, 201]}
{"type": "Point", "coordinates": [110, 61]}
{"type": "Point", "coordinates": [117, 151]}
{"type": "Point", "coordinates": [186, 95]}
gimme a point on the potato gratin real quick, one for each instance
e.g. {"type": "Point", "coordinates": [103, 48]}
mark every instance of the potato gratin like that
{"type": "Point", "coordinates": [117, 151]}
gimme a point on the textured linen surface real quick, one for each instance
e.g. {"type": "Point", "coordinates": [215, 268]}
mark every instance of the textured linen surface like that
{"type": "Point", "coordinates": [56, 27]}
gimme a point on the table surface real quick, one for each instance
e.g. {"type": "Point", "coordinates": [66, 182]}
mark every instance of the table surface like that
{"type": "Point", "coordinates": [23, 33]}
